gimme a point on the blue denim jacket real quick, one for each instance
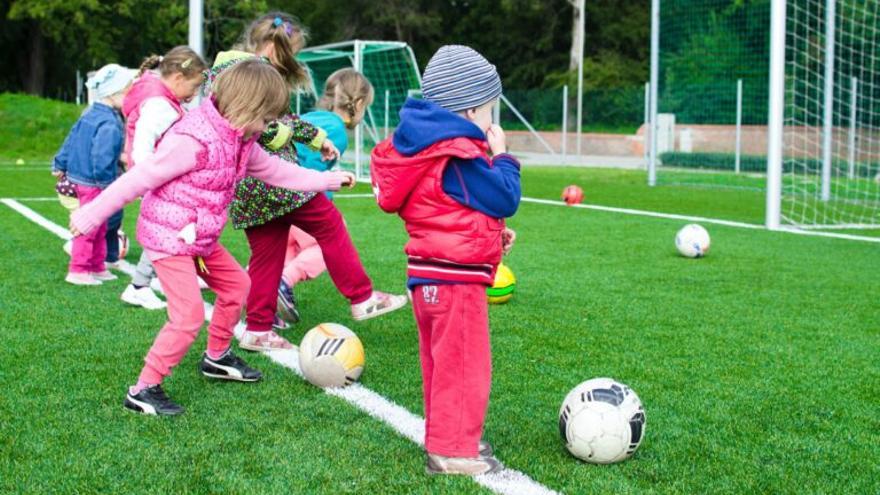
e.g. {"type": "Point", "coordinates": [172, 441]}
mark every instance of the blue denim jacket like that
{"type": "Point", "coordinates": [90, 153]}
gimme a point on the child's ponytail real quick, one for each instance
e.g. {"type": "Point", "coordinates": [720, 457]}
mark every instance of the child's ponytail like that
{"type": "Point", "coordinates": [150, 63]}
{"type": "Point", "coordinates": [287, 38]}
{"type": "Point", "coordinates": [180, 59]}
{"type": "Point", "coordinates": [344, 90]}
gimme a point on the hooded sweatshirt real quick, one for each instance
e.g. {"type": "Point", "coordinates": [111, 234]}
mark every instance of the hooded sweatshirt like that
{"type": "Point", "coordinates": [435, 173]}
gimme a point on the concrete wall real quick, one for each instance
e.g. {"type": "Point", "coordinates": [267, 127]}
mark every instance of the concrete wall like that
{"type": "Point", "coordinates": [703, 138]}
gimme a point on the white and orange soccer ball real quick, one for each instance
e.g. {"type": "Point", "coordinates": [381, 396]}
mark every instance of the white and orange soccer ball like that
{"type": "Point", "coordinates": [331, 355]}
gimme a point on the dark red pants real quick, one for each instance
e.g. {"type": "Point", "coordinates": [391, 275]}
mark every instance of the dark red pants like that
{"type": "Point", "coordinates": [456, 361]}
{"type": "Point", "coordinates": [320, 219]}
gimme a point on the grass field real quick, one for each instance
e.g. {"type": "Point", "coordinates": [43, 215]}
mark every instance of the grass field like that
{"type": "Point", "coordinates": [757, 365]}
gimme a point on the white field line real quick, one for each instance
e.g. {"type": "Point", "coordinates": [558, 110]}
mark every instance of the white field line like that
{"type": "Point", "coordinates": [46, 198]}
{"type": "Point", "coordinates": [689, 218]}
{"type": "Point", "coordinates": [407, 424]}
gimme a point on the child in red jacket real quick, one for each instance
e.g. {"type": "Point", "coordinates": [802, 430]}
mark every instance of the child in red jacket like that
{"type": "Point", "coordinates": [437, 174]}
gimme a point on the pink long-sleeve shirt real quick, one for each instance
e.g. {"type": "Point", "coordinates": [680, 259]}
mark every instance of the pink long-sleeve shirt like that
{"type": "Point", "coordinates": [177, 156]}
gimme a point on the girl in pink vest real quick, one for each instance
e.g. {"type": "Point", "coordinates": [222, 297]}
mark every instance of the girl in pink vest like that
{"type": "Point", "coordinates": [187, 185]}
{"type": "Point", "coordinates": [152, 105]}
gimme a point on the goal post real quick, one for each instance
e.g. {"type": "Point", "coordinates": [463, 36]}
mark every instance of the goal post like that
{"type": "Point", "coordinates": [391, 68]}
{"type": "Point", "coordinates": [823, 150]}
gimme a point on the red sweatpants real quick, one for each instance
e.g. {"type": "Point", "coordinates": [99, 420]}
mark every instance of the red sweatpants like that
{"type": "Point", "coordinates": [456, 360]}
{"type": "Point", "coordinates": [320, 219]}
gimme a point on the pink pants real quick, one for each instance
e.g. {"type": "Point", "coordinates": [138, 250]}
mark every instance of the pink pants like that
{"type": "Point", "coordinates": [88, 251]}
{"type": "Point", "coordinates": [304, 260]}
{"type": "Point", "coordinates": [186, 310]}
{"type": "Point", "coordinates": [456, 360]}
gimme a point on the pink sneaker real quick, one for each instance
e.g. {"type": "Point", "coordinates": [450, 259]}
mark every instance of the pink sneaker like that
{"type": "Point", "coordinates": [81, 279]}
{"type": "Point", "coordinates": [263, 341]}
{"type": "Point", "coordinates": [378, 304]}
{"type": "Point", "coordinates": [104, 276]}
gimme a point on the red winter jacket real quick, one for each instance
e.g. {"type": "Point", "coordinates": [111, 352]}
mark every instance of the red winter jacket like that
{"type": "Point", "coordinates": [447, 240]}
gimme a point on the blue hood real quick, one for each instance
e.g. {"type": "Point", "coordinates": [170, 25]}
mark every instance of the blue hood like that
{"type": "Point", "coordinates": [423, 123]}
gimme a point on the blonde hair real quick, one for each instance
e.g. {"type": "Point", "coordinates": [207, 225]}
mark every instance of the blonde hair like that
{"type": "Point", "coordinates": [179, 60]}
{"type": "Point", "coordinates": [249, 91]}
{"type": "Point", "coordinates": [344, 90]}
{"type": "Point", "coordinates": [287, 37]}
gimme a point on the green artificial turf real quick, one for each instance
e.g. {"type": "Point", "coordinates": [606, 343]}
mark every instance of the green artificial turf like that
{"type": "Point", "coordinates": [757, 365]}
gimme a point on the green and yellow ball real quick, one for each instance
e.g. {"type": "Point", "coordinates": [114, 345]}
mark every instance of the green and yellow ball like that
{"type": "Point", "coordinates": [503, 287]}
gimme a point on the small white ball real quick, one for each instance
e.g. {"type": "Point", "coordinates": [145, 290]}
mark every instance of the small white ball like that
{"type": "Point", "coordinates": [692, 241]}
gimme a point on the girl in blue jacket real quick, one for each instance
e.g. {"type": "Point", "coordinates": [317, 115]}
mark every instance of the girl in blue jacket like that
{"type": "Point", "coordinates": [89, 158]}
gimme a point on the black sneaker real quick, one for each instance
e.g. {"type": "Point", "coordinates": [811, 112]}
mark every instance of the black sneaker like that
{"type": "Point", "coordinates": [228, 367]}
{"type": "Point", "coordinates": [287, 303]}
{"type": "Point", "coordinates": [153, 401]}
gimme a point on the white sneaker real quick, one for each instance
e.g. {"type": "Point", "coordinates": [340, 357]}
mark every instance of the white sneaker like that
{"type": "Point", "coordinates": [378, 304]}
{"type": "Point", "coordinates": [104, 276]}
{"type": "Point", "coordinates": [156, 285]}
{"type": "Point", "coordinates": [81, 279]}
{"type": "Point", "coordinates": [263, 341]}
{"type": "Point", "coordinates": [143, 297]}
{"type": "Point", "coordinates": [111, 265]}
{"type": "Point", "coordinates": [468, 466]}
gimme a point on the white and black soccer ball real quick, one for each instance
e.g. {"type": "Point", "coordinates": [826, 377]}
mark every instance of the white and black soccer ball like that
{"type": "Point", "coordinates": [602, 421]}
{"type": "Point", "coordinates": [692, 241]}
{"type": "Point", "coordinates": [331, 355]}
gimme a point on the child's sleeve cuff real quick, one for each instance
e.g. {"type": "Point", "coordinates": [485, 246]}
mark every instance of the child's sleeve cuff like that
{"type": "Point", "coordinates": [282, 137]}
{"type": "Point", "coordinates": [316, 143]}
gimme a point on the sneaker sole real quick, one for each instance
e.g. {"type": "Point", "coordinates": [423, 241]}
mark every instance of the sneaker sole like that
{"type": "Point", "coordinates": [230, 378]}
{"type": "Point", "coordinates": [139, 407]}
{"type": "Point", "coordinates": [140, 304]}
{"type": "Point", "coordinates": [379, 313]}
{"type": "Point", "coordinates": [256, 348]}
{"type": "Point", "coordinates": [82, 282]}
{"type": "Point", "coordinates": [431, 472]}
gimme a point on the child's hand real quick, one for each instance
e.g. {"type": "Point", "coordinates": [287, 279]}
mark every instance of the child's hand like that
{"type": "Point", "coordinates": [508, 236]}
{"type": "Point", "coordinates": [329, 151]}
{"type": "Point", "coordinates": [74, 230]}
{"type": "Point", "coordinates": [497, 139]}
{"type": "Point", "coordinates": [57, 173]}
{"type": "Point", "coordinates": [349, 180]}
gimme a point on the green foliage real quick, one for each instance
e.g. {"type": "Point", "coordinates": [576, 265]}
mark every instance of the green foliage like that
{"type": "Point", "coordinates": [32, 128]}
{"type": "Point", "coordinates": [715, 161]}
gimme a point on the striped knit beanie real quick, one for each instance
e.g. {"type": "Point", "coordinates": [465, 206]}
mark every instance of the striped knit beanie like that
{"type": "Point", "coordinates": [458, 78]}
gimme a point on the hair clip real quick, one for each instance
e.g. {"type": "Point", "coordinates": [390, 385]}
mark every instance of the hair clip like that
{"type": "Point", "coordinates": [288, 28]}
{"type": "Point", "coordinates": [277, 22]}
{"type": "Point", "coordinates": [186, 63]}
{"type": "Point", "coordinates": [161, 58]}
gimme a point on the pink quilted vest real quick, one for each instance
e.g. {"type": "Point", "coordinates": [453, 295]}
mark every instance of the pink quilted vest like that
{"type": "Point", "coordinates": [149, 85]}
{"type": "Point", "coordinates": [200, 196]}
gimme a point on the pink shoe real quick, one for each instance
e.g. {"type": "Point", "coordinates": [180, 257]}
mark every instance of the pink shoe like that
{"type": "Point", "coordinates": [378, 304]}
{"type": "Point", "coordinates": [81, 279]}
{"type": "Point", "coordinates": [104, 276]}
{"type": "Point", "coordinates": [263, 341]}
